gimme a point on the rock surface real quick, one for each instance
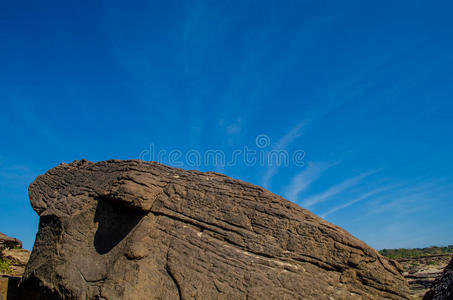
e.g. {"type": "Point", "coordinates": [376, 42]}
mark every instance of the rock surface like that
{"type": "Point", "coordinates": [19, 257]}
{"type": "Point", "coordinates": [420, 272]}
{"type": "Point", "coordinates": [13, 260]}
{"type": "Point", "coordinates": [11, 252]}
{"type": "Point", "coordinates": [142, 230]}
{"type": "Point", "coordinates": [442, 288]}
{"type": "Point", "coordinates": [9, 242]}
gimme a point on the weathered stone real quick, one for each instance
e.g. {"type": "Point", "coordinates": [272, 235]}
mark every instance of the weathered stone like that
{"type": "Point", "coordinates": [18, 257]}
{"type": "Point", "coordinates": [9, 242]}
{"type": "Point", "coordinates": [141, 230]}
{"type": "Point", "coordinates": [15, 258]}
{"type": "Point", "coordinates": [3, 288]}
{"type": "Point", "coordinates": [442, 288]}
{"type": "Point", "coordinates": [421, 271]}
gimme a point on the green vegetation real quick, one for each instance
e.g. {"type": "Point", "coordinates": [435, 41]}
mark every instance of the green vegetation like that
{"type": "Point", "coordinates": [6, 265]}
{"type": "Point", "coordinates": [416, 252]}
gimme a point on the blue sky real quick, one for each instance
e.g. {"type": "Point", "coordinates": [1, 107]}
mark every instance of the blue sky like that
{"type": "Point", "coordinates": [363, 88]}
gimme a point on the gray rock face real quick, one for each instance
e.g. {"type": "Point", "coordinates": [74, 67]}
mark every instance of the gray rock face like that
{"type": "Point", "coordinates": [442, 288]}
{"type": "Point", "coordinates": [140, 230]}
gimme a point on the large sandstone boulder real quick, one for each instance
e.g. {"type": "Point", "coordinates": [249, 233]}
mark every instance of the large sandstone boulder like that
{"type": "Point", "coordinates": [140, 230]}
{"type": "Point", "coordinates": [442, 288]}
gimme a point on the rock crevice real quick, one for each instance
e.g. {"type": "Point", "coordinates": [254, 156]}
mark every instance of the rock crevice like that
{"type": "Point", "coordinates": [442, 287]}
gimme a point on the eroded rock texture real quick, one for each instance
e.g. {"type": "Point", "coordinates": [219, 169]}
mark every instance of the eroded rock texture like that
{"type": "Point", "coordinates": [140, 230]}
{"type": "Point", "coordinates": [442, 288]}
{"type": "Point", "coordinates": [9, 242]}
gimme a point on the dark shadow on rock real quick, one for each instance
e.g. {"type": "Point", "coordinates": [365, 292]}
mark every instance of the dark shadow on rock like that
{"type": "Point", "coordinates": [115, 223]}
{"type": "Point", "coordinates": [8, 287]}
{"type": "Point", "coordinates": [13, 283]}
{"type": "Point", "coordinates": [33, 289]}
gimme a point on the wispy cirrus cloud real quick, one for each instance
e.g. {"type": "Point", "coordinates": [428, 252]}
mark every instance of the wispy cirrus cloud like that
{"type": "Point", "coordinates": [304, 179]}
{"type": "Point", "coordinates": [283, 144]}
{"type": "Point", "coordinates": [342, 94]}
{"type": "Point", "coordinates": [336, 189]}
{"type": "Point", "coordinates": [362, 197]}
{"type": "Point", "coordinates": [411, 198]}
{"type": "Point", "coordinates": [291, 136]}
{"type": "Point", "coordinates": [16, 175]}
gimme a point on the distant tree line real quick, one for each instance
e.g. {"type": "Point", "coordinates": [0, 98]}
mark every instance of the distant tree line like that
{"type": "Point", "coordinates": [416, 252]}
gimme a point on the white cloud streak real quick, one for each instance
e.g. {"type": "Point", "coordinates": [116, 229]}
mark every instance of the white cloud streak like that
{"type": "Point", "coordinates": [355, 200]}
{"type": "Point", "coordinates": [336, 189]}
{"type": "Point", "coordinates": [282, 144]}
{"type": "Point", "coordinates": [410, 198]}
{"type": "Point", "coordinates": [304, 179]}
